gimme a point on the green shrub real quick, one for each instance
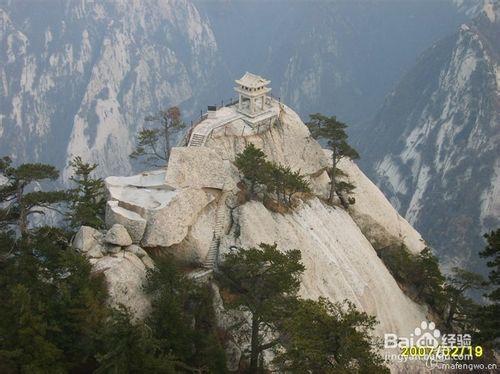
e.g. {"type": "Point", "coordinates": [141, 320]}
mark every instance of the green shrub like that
{"type": "Point", "coordinates": [419, 274]}
{"type": "Point", "coordinates": [275, 179]}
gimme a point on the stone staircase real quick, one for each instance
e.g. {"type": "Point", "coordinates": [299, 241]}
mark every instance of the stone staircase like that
{"type": "Point", "coordinates": [201, 275]}
{"type": "Point", "coordinates": [212, 258]}
{"type": "Point", "coordinates": [197, 140]}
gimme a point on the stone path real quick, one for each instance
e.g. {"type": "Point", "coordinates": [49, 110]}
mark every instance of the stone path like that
{"type": "Point", "coordinates": [212, 258]}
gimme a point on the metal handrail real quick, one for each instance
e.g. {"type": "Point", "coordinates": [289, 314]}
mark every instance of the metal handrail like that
{"type": "Point", "coordinates": [268, 125]}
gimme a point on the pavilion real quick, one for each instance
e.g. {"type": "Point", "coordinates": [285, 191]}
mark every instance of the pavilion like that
{"type": "Point", "coordinates": [252, 94]}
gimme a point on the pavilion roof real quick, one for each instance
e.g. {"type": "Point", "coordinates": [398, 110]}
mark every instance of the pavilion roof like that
{"type": "Point", "coordinates": [252, 80]}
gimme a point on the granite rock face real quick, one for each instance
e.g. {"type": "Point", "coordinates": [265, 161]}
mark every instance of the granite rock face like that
{"type": "Point", "coordinates": [136, 250]}
{"type": "Point", "coordinates": [340, 261]}
{"type": "Point", "coordinates": [125, 276]}
{"type": "Point", "coordinates": [133, 222]}
{"type": "Point", "coordinates": [378, 220]}
{"type": "Point", "coordinates": [169, 225]}
{"type": "Point", "coordinates": [80, 79]}
{"type": "Point", "coordinates": [200, 167]}
{"type": "Point", "coordinates": [288, 142]}
{"type": "Point", "coordinates": [434, 147]}
{"type": "Point", "coordinates": [154, 212]}
{"type": "Point", "coordinates": [124, 265]}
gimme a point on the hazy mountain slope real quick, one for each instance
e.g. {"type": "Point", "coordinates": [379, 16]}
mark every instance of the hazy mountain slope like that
{"type": "Point", "coordinates": [78, 77]}
{"type": "Point", "coordinates": [337, 57]}
{"type": "Point", "coordinates": [434, 147]}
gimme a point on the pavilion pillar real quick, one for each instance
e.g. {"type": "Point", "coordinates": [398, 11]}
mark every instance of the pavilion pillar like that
{"type": "Point", "coordinates": [239, 101]}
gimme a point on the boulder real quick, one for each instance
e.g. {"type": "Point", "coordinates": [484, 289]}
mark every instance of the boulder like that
{"type": "Point", "coordinates": [200, 167]}
{"type": "Point", "coordinates": [118, 254]}
{"type": "Point", "coordinates": [320, 185]}
{"type": "Point", "coordinates": [195, 246]}
{"type": "Point", "coordinates": [169, 224]}
{"type": "Point", "coordinates": [138, 193]}
{"type": "Point", "coordinates": [118, 235]}
{"type": "Point", "coordinates": [132, 221]}
{"type": "Point", "coordinates": [95, 252]}
{"type": "Point", "coordinates": [149, 179]}
{"type": "Point", "coordinates": [136, 250]}
{"type": "Point", "coordinates": [87, 238]}
{"type": "Point", "coordinates": [125, 277]}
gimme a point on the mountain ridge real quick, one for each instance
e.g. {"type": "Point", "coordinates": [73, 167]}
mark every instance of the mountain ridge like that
{"type": "Point", "coordinates": [443, 153]}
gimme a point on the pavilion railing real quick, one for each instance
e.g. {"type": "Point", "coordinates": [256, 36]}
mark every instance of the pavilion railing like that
{"type": "Point", "coordinates": [262, 126]}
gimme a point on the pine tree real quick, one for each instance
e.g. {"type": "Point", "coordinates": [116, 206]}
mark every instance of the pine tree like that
{"type": "Point", "coordinates": [344, 188]}
{"type": "Point", "coordinates": [333, 132]}
{"type": "Point", "coordinates": [87, 203]}
{"type": "Point", "coordinates": [154, 144]}
{"type": "Point", "coordinates": [263, 281]}
{"type": "Point", "coordinates": [285, 183]}
{"type": "Point", "coordinates": [130, 347]}
{"type": "Point", "coordinates": [182, 320]}
{"type": "Point", "coordinates": [325, 337]}
{"type": "Point", "coordinates": [419, 273]}
{"type": "Point", "coordinates": [52, 307]}
{"type": "Point", "coordinates": [307, 336]}
{"type": "Point", "coordinates": [428, 279]}
{"type": "Point", "coordinates": [18, 204]}
{"type": "Point", "coordinates": [51, 304]}
{"type": "Point", "coordinates": [460, 308]}
{"type": "Point", "coordinates": [277, 179]}
{"type": "Point", "coordinates": [295, 183]}
{"type": "Point", "coordinates": [253, 165]}
{"type": "Point", "coordinates": [26, 345]}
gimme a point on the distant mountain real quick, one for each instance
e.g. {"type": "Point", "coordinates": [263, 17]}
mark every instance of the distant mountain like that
{"type": "Point", "coordinates": [337, 57]}
{"type": "Point", "coordinates": [78, 77]}
{"type": "Point", "coordinates": [434, 147]}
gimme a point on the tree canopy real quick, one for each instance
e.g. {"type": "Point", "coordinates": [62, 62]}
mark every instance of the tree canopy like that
{"type": "Point", "coordinates": [55, 316]}
{"type": "Point", "coordinates": [252, 163]}
{"type": "Point", "coordinates": [325, 337]}
{"type": "Point", "coordinates": [19, 203]}
{"type": "Point", "coordinates": [278, 180]}
{"type": "Point", "coordinates": [306, 335]}
{"type": "Point", "coordinates": [51, 306]}
{"type": "Point", "coordinates": [332, 131]}
{"type": "Point", "coordinates": [263, 279]}
{"type": "Point", "coordinates": [155, 143]}
{"type": "Point", "coordinates": [87, 201]}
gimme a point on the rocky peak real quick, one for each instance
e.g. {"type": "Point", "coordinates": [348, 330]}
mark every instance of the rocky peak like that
{"type": "Point", "coordinates": [190, 211]}
{"type": "Point", "coordinates": [434, 144]}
